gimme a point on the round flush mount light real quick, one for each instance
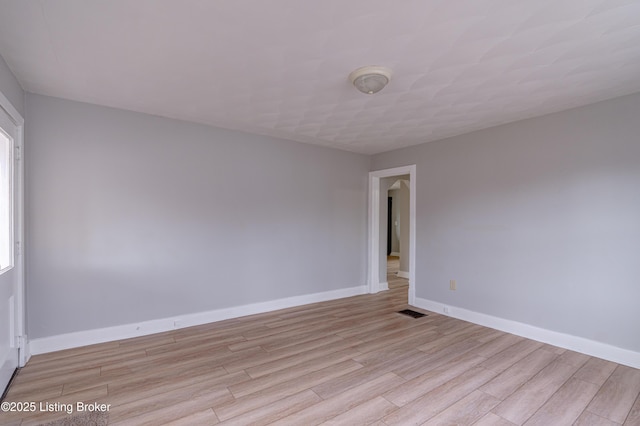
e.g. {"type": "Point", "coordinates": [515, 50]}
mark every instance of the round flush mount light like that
{"type": "Point", "coordinates": [371, 79]}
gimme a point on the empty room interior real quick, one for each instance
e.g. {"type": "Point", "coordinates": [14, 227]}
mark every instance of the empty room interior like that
{"type": "Point", "coordinates": [339, 212]}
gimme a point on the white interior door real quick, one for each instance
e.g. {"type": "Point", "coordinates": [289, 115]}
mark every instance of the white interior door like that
{"type": "Point", "coordinates": [11, 276]}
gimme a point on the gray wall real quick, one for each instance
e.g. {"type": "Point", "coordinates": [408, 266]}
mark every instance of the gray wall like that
{"type": "Point", "coordinates": [135, 217]}
{"type": "Point", "coordinates": [538, 221]}
{"type": "Point", "coordinates": [10, 87]}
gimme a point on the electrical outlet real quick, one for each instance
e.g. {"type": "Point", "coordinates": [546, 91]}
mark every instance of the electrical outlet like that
{"type": "Point", "coordinates": [452, 285]}
{"type": "Point", "coordinates": [445, 309]}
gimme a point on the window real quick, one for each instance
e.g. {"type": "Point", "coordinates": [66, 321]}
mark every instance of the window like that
{"type": "Point", "coordinates": [6, 202]}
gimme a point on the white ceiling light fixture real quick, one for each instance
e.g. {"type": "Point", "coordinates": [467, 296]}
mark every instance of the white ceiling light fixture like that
{"type": "Point", "coordinates": [370, 79]}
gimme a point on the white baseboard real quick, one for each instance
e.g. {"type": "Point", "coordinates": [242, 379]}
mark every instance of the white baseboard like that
{"type": "Point", "coordinates": [403, 274]}
{"type": "Point", "coordinates": [394, 253]}
{"type": "Point", "coordinates": [108, 334]}
{"type": "Point", "coordinates": [567, 341]}
{"type": "Point", "coordinates": [383, 286]}
{"type": "Point", "coordinates": [25, 352]}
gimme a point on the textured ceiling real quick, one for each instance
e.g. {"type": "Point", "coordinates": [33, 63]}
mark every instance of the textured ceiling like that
{"type": "Point", "coordinates": [280, 67]}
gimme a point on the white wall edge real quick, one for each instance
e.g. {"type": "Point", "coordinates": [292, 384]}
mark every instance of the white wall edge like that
{"type": "Point", "coordinates": [403, 274]}
{"type": "Point", "coordinates": [383, 286]}
{"type": "Point", "coordinates": [566, 341]}
{"type": "Point", "coordinates": [25, 351]}
{"type": "Point", "coordinates": [108, 334]}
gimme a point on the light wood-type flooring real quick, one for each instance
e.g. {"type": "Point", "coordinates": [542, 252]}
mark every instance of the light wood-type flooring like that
{"type": "Point", "coordinates": [352, 361]}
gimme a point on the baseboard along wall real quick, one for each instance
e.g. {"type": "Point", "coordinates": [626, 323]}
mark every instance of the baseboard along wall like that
{"type": "Point", "coordinates": [566, 341]}
{"type": "Point", "coordinates": [126, 331]}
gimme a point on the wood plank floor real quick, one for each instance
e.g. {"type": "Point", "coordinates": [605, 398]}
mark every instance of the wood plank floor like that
{"type": "Point", "coordinates": [353, 361]}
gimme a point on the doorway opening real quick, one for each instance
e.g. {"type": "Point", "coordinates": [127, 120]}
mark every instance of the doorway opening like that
{"type": "Point", "coordinates": [397, 219]}
{"type": "Point", "coordinates": [379, 183]}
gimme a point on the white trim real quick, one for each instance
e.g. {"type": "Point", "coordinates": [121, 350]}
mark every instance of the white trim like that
{"type": "Point", "coordinates": [403, 274]}
{"type": "Point", "coordinates": [383, 286]}
{"type": "Point", "coordinates": [394, 253]}
{"type": "Point", "coordinates": [19, 264]}
{"type": "Point", "coordinates": [25, 351]}
{"type": "Point", "coordinates": [373, 273]}
{"type": "Point", "coordinates": [555, 338]}
{"type": "Point", "coordinates": [108, 334]}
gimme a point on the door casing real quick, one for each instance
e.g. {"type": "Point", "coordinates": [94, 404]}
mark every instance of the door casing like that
{"type": "Point", "coordinates": [373, 273]}
{"type": "Point", "coordinates": [18, 331]}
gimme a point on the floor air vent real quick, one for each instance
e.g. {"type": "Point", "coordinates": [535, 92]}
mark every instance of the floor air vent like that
{"type": "Point", "coordinates": [411, 313]}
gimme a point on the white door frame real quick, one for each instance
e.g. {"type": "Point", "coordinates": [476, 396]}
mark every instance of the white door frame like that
{"type": "Point", "coordinates": [373, 276]}
{"type": "Point", "coordinates": [18, 214]}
